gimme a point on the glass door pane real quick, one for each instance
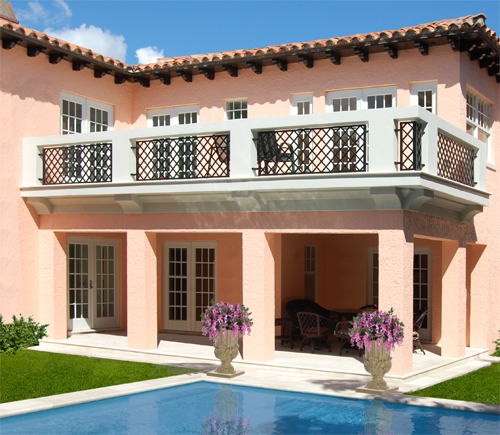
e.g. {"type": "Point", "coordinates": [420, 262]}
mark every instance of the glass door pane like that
{"type": "Point", "coordinates": [105, 285]}
{"type": "Point", "coordinates": [204, 282]}
{"type": "Point", "coordinates": [177, 288]}
{"type": "Point", "coordinates": [422, 289]}
{"type": "Point", "coordinates": [78, 286]}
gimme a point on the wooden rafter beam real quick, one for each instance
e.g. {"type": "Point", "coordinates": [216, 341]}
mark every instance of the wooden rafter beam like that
{"type": "Point", "coordinates": [208, 73]}
{"type": "Point", "coordinates": [231, 69]}
{"type": "Point", "coordinates": [120, 79]}
{"type": "Point", "coordinates": [9, 43]}
{"type": "Point", "coordinates": [35, 50]}
{"type": "Point", "coordinates": [334, 57]}
{"type": "Point", "coordinates": [362, 53]}
{"type": "Point", "coordinates": [423, 47]}
{"type": "Point", "coordinates": [143, 81]}
{"type": "Point", "coordinates": [55, 58]}
{"type": "Point", "coordinates": [255, 67]}
{"type": "Point", "coordinates": [186, 76]}
{"type": "Point", "coordinates": [79, 65]}
{"type": "Point", "coordinates": [281, 63]}
{"type": "Point", "coordinates": [392, 50]}
{"type": "Point", "coordinates": [164, 78]}
{"type": "Point", "coordinates": [307, 60]}
{"type": "Point", "coordinates": [99, 73]}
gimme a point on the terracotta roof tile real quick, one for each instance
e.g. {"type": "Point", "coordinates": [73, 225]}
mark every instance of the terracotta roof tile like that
{"type": "Point", "coordinates": [430, 29]}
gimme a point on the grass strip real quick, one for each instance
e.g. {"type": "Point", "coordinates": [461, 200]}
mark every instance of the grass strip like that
{"type": "Point", "coordinates": [481, 386]}
{"type": "Point", "coordinates": [30, 374]}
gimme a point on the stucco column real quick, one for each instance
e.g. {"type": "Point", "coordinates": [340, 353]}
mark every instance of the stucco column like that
{"type": "Point", "coordinates": [454, 324]}
{"type": "Point", "coordinates": [396, 291]}
{"type": "Point", "coordinates": [478, 308]}
{"type": "Point", "coordinates": [52, 283]}
{"type": "Point", "coordinates": [142, 306]}
{"type": "Point", "coordinates": [258, 292]}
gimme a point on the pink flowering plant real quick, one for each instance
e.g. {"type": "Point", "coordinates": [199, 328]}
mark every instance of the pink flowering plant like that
{"type": "Point", "coordinates": [221, 317]}
{"type": "Point", "coordinates": [381, 326]}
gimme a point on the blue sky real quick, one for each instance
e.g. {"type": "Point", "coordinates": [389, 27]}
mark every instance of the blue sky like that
{"type": "Point", "coordinates": [138, 31]}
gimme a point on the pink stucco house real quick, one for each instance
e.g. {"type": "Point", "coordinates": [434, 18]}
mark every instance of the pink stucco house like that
{"type": "Point", "coordinates": [351, 171]}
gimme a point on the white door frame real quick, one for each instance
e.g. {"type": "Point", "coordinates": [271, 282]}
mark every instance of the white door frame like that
{"type": "Point", "coordinates": [425, 334]}
{"type": "Point", "coordinates": [191, 323]}
{"type": "Point", "coordinates": [90, 285]}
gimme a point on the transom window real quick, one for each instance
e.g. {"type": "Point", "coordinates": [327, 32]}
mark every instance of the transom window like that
{"type": "Point", "coordinates": [173, 116]}
{"type": "Point", "coordinates": [237, 109]}
{"type": "Point", "coordinates": [479, 119]}
{"type": "Point", "coordinates": [301, 104]}
{"type": "Point", "coordinates": [359, 99]}
{"type": "Point", "coordinates": [81, 115]}
{"type": "Point", "coordinates": [424, 95]}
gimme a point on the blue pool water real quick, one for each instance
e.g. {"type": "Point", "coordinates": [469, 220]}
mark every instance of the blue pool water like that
{"type": "Point", "coordinates": [208, 408]}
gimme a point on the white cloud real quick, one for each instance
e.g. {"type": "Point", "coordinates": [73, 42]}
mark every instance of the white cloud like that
{"type": "Point", "coordinates": [148, 54]}
{"type": "Point", "coordinates": [55, 13]}
{"type": "Point", "coordinates": [94, 38]}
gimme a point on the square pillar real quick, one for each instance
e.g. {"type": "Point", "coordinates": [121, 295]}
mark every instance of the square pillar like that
{"type": "Point", "coordinates": [454, 324]}
{"type": "Point", "coordinates": [53, 294]}
{"type": "Point", "coordinates": [478, 308]}
{"type": "Point", "coordinates": [396, 291]}
{"type": "Point", "coordinates": [259, 251]}
{"type": "Point", "coordinates": [142, 305]}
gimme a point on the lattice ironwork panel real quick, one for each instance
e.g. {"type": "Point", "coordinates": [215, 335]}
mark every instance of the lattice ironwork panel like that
{"type": "Point", "coordinates": [455, 160]}
{"type": "Point", "coordinates": [314, 150]}
{"type": "Point", "coordinates": [182, 157]}
{"type": "Point", "coordinates": [77, 164]}
{"type": "Point", "coordinates": [410, 146]}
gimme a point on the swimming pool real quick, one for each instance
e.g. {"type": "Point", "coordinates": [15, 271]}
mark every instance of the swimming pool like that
{"type": "Point", "coordinates": [209, 408]}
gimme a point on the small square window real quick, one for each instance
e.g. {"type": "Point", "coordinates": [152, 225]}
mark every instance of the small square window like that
{"type": "Point", "coordinates": [236, 109]}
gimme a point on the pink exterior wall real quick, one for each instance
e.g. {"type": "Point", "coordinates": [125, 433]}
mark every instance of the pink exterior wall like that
{"type": "Point", "coordinates": [34, 255]}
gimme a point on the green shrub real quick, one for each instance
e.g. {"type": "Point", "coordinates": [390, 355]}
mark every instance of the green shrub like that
{"type": "Point", "coordinates": [497, 347]}
{"type": "Point", "coordinates": [20, 334]}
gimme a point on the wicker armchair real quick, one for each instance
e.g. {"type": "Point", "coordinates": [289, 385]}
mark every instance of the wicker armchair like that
{"type": "Point", "coordinates": [313, 328]}
{"type": "Point", "coordinates": [341, 332]}
{"type": "Point", "coordinates": [418, 319]}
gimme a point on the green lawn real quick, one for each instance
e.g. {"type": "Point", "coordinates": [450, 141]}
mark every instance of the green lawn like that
{"type": "Point", "coordinates": [30, 374]}
{"type": "Point", "coordinates": [482, 386]}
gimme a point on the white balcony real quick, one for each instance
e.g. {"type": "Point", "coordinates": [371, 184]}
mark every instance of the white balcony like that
{"type": "Point", "coordinates": [341, 170]}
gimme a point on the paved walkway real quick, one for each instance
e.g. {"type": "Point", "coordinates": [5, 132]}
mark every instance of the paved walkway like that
{"type": "Point", "coordinates": [292, 371]}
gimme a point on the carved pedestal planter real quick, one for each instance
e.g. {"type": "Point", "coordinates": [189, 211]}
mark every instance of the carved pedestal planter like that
{"type": "Point", "coordinates": [226, 349]}
{"type": "Point", "coordinates": [378, 362]}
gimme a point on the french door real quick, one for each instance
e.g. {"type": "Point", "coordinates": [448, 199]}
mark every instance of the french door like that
{"type": "Point", "coordinates": [422, 284]}
{"type": "Point", "coordinates": [93, 301]}
{"type": "Point", "coordinates": [189, 283]}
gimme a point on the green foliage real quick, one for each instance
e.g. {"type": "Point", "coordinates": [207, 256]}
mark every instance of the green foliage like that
{"type": "Point", "coordinates": [20, 334]}
{"type": "Point", "coordinates": [480, 386]}
{"type": "Point", "coordinates": [497, 347]}
{"type": "Point", "coordinates": [31, 374]}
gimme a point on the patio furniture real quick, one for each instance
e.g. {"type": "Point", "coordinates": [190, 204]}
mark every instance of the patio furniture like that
{"type": "Point", "coordinates": [271, 152]}
{"type": "Point", "coordinates": [341, 332]}
{"type": "Point", "coordinates": [368, 308]}
{"type": "Point", "coordinates": [306, 305]}
{"type": "Point", "coordinates": [315, 327]}
{"type": "Point", "coordinates": [285, 324]}
{"type": "Point", "coordinates": [418, 319]}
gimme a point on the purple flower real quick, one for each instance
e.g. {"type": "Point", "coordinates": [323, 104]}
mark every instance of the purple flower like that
{"type": "Point", "coordinates": [221, 317]}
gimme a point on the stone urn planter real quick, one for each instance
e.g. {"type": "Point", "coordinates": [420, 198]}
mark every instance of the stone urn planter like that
{"type": "Point", "coordinates": [377, 332]}
{"type": "Point", "coordinates": [224, 323]}
{"type": "Point", "coordinates": [226, 349]}
{"type": "Point", "coordinates": [378, 362]}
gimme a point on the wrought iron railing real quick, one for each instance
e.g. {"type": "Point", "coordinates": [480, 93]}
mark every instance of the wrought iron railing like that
{"type": "Point", "coordinates": [182, 157]}
{"type": "Point", "coordinates": [77, 164]}
{"type": "Point", "coordinates": [455, 160]}
{"type": "Point", "coordinates": [312, 150]}
{"type": "Point", "coordinates": [410, 145]}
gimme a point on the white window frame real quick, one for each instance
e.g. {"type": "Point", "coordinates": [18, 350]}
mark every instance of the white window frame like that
{"type": "Point", "coordinates": [415, 88]}
{"type": "Point", "coordinates": [226, 110]}
{"type": "Point", "coordinates": [299, 99]}
{"type": "Point", "coordinates": [86, 104]}
{"type": "Point", "coordinates": [361, 96]}
{"type": "Point", "coordinates": [174, 113]}
{"type": "Point", "coordinates": [474, 125]}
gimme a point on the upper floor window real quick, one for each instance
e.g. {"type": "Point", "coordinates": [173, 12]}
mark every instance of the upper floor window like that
{"type": "Point", "coordinates": [81, 115]}
{"type": "Point", "coordinates": [424, 95]}
{"type": "Point", "coordinates": [359, 99]}
{"type": "Point", "coordinates": [301, 104]}
{"type": "Point", "coordinates": [236, 109]}
{"type": "Point", "coordinates": [173, 116]}
{"type": "Point", "coordinates": [479, 119]}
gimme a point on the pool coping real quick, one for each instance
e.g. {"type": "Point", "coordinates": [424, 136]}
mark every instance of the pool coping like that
{"type": "Point", "coordinates": [50, 402]}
